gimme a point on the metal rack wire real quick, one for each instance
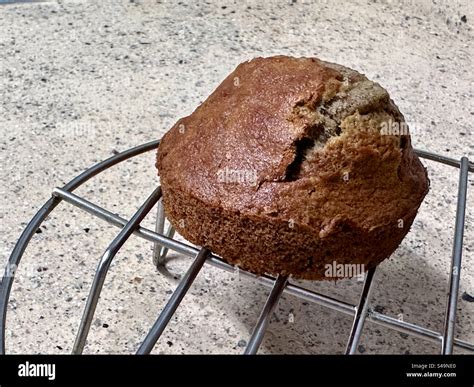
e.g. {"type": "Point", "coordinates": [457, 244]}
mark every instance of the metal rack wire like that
{"type": "Point", "coordinates": [163, 241]}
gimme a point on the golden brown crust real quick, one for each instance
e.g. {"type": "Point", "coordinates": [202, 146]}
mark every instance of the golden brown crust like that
{"type": "Point", "coordinates": [291, 164]}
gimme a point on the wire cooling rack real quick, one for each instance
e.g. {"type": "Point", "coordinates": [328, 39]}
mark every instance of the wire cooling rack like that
{"type": "Point", "coordinates": [163, 241]}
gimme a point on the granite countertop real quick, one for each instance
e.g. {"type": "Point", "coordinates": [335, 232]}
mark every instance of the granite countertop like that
{"type": "Point", "coordinates": [81, 80]}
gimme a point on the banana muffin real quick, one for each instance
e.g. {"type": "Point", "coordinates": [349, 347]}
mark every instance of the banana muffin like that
{"type": "Point", "coordinates": [290, 166]}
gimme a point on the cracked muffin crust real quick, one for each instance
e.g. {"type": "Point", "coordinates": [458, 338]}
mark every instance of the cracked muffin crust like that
{"type": "Point", "coordinates": [290, 165]}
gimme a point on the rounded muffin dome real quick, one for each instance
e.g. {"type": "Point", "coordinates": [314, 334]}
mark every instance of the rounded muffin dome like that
{"type": "Point", "coordinates": [290, 165]}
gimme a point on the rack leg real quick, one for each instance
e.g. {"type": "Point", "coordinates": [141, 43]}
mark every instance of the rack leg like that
{"type": "Point", "coordinates": [455, 275]}
{"type": "Point", "coordinates": [160, 252]}
{"type": "Point", "coordinates": [159, 229]}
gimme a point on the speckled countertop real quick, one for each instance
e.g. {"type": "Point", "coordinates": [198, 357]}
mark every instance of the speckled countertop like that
{"type": "Point", "coordinates": [81, 80]}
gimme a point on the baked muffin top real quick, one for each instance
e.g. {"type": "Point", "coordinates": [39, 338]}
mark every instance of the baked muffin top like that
{"type": "Point", "coordinates": [298, 139]}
